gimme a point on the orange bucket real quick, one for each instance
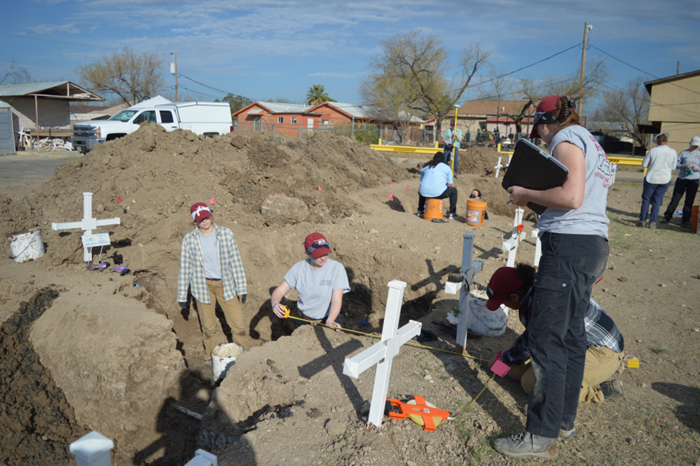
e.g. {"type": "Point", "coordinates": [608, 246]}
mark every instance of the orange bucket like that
{"type": "Point", "coordinates": [694, 221]}
{"type": "Point", "coordinates": [475, 212]}
{"type": "Point", "coordinates": [433, 209]}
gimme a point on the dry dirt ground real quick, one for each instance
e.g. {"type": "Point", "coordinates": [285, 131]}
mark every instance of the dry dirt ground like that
{"type": "Point", "coordinates": [286, 400]}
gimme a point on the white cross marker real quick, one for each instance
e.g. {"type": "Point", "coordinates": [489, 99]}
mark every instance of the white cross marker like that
{"type": "Point", "coordinates": [511, 245]}
{"type": "Point", "coordinates": [498, 166]}
{"type": "Point", "coordinates": [469, 270]}
{"type": "Point", "coordinates": [87, 224]}
{"type": "Point", "coordinates": [383, 353]}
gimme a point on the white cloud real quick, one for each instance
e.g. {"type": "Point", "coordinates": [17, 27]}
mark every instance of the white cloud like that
{"type": "Point", "coordinates": [50, 30]}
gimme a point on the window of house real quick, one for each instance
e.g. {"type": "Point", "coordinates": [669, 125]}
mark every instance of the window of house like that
{"type": "Point", "coordinates": [325, 122]}
{"type": "Point", "coordinates": [280, 120]}
{"type": "Point", "coordinates": [294, 119]}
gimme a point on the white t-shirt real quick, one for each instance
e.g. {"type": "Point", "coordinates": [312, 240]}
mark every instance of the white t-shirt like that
{"type": "Point", "coordinates": [316, 286]}
{"type": "Point", "coordinates": [660, 163]}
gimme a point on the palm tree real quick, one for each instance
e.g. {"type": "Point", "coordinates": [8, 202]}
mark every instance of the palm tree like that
{"type": "Point", "coordinates": [316, 95]}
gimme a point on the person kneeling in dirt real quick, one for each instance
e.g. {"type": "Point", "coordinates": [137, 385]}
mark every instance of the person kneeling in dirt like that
{"type": "Point", "coordinates": [210, 265]}
{"type": "Point", "coordinates": [320, 283]}
{"type": "Point", "coordinates": [513, 287]}
{"type": "Point", "coordinates": [436, 183]}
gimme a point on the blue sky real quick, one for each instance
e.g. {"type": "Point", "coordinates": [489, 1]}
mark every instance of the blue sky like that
{"type": "Point", "coordinates": [274, 48]}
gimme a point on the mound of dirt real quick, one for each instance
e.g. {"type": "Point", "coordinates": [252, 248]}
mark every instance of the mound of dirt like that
{"type": "Point", "coordinates": [479, 160]}
{"type": "Point", "coordinates": [37, 422]}
{"type": "Point", "coordinates": [156, 173]}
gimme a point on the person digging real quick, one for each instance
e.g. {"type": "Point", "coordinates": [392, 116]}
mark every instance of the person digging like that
{"type": "Point", "coordinates": [514, 288]}
{"type": "Point", "coordinates": [320, 283]}
{"type": "Point", "coordinates": [211, 267]}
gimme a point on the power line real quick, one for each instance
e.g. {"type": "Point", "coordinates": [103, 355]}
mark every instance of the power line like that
{"type": "Point", "coordinates": [641, 70]}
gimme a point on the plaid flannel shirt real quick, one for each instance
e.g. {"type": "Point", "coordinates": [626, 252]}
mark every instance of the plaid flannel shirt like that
{"type": "Point", "coordinates": [192, 267]}
{"type": "Point", "coordinates": [600, 331]}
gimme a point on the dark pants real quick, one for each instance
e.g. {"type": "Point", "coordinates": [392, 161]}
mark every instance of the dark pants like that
{"type": "Point", "coordinates": [689, 188]}
{"type": "Point", "coordinates": [569, 266]}
{"type": "Point", "coordinates": [450, 192]}
{"type": "Point", "coordinates": [448, 157]}
{"type": "Point", "coordinates": [654, 194]}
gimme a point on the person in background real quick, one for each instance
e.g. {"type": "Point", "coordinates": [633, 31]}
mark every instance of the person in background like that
{"type": "Point", "coordinates": [686, 183]}
{"type": "Point", "coordinates": [211, 267]}
{"type": "Point", "coordinates": [476, 195]}
{"type": "Point", "coordinates": [320, 283]}
{"type": "Point", "coordinates": [452, 140]}
{"type": "Point", "coordinates": [436, 182]}
{"type": "Point", "coordinates": [660, 163]}
{"type": "Point", "coordinates": [574, 236]}
{"type": "Point", "coordinates": [513, 287]}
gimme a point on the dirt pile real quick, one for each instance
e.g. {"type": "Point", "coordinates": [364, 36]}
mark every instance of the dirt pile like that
{"type": "Point", "coordinates": [156, 173]}
{"type": "Point", "coordinates": [480, 160]}
{"type": "Point", "coordinates": [37, 422]}
{"type": "Point", "coordinates": [115, 360]}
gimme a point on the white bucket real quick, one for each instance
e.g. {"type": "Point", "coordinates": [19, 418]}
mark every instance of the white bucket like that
{"type": "Point", "coordinates": [223, 357]}
{"type": "Point", "coordinates": [27, 246]}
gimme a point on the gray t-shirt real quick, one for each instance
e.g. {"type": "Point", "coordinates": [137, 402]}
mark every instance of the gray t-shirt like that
{"type": "Point", "coordinates": [590, 217]}
{"type": "Point", "coordinates": [686, 157]}
{"type": "Point", "coordinates": [316, 286]}
{"type": "Point", "coordinates": [210, 256]}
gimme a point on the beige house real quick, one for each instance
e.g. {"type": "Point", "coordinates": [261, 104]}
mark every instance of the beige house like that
{"type": "Point", "coordinates": [675, 107]}
{"type": "Point", "coordinates": [487, 115]}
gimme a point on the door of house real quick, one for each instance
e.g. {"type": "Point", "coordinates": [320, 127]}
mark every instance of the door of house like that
{"type": "Point", "coordinates": [257, 124]}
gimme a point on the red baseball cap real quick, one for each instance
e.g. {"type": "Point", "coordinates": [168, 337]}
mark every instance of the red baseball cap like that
{"type": "Point", "coordinates": [317, 245]}
{"type": "Point", "coordinates": [543, 113]}
{"type": "Point", "coordinates": [503, 282]}
{"type": "Point", "coordinates": [199, 212]}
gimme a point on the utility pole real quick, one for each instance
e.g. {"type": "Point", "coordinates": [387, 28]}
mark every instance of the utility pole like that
{"type": "Point", "coordinates": [586, 28]}
{"type": "Point", "coordinates": [173, 70]}
{"type": "Point", "coordinates": [678, 68]}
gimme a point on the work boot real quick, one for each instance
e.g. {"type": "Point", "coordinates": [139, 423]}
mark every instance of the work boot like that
{"type": "Point", "coordinates": [639, 223]}
{"type": "Point", "coordinates": [652, 225]}
{"type": "Point", "coordinates": [612, 389]}
{"type": "Point", "coordinates": [527, 445]}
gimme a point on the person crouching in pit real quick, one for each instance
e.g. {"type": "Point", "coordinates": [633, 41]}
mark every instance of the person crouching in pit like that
{"type": "Point", "coordinates": [514, 288]}
{"type": "Point", "coordinates": [211, 267]}
{"type": "Point", "coordinates": [320, 282]}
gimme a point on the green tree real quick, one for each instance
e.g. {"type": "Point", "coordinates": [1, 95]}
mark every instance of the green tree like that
{"type": "Point", "coordinates": [133, 77]}
{"type": "Point", "coordinates": [236, 102]}
{"type": "Point", "coordinates": [317, 95]}
{"type": "Point", "coordinates": [415, 69]}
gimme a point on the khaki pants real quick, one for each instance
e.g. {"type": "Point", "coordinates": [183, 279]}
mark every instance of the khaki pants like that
{"type": "Point", "coordinates": [232, 313]}
{"type": "Point", "coordinates": [601, 364]}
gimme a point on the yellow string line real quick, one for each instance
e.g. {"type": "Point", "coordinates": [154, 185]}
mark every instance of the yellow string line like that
{"type": "Point", "coordinates": [410, 343]}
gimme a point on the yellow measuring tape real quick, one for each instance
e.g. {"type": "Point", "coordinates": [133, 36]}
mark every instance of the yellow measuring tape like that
{"type": "Point", "coordinates": [287, 315]}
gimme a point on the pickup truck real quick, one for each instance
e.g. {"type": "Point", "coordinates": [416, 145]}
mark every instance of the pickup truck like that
{"type": "Point", "coordinates": [202, 118]}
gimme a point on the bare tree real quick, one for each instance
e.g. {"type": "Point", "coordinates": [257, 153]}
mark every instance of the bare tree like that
{"type": "Point", "coordinates": [16, 75]}
{"type": "Point", "coordinates": [384, 98]}
{"type": "Point", "coordinates": [499, 88]}
{"type": "Point", "coordinates": [624, 109]}
{"type": "Point", "coordinates": [420, 63]}
{"type": "Point", "coordinates": [133, 77]}
{"type": "Point", "coordinates": [569, 85]}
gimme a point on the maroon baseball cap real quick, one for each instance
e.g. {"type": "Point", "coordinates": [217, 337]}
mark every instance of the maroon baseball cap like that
{"type": "Point", "coordinates": [503, 282]}
{"type": "Point", "coordinates": [317, 245]}
{"type": "Point", "coordinates": [199, 212]}
{"type": "Point", "coordinates": [543, 113]}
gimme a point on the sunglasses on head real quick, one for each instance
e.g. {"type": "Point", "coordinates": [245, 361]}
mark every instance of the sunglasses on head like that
{"type": "Point", "coordinates": [313, 247]}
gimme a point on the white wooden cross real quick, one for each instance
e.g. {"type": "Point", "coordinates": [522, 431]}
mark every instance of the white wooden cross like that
{"type": "Point", "coordinates": [538, 246]}
{"type": "Point", "coordinates": [498, 166]}
{"type": "Point", "coordinates": [87, 224]}
{"type": "Point", "coordinates": [469, 271]}
{"type": "Point", "coordinates": [383, 353]}
{"type": "Point", "coordinates": [511, 245]}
